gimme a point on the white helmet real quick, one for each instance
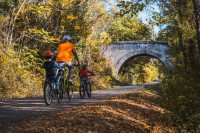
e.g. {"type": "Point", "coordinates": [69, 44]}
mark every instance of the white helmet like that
{"type": "Point", "coordinates": [67, 37]}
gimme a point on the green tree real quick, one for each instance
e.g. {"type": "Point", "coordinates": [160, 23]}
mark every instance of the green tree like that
{"type": "Point", "coordinates": [128, 28]}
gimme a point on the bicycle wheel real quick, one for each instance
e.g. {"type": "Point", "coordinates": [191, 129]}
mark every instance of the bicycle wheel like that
{"type": "Point", "coordinates": [82, 90]}
{"type": "Point", "coordinates": [70, 92]}
{"type": "Point", "coordinates": [48, 93]}
{"type": "Point", "coordinates": [89, 90]}
{"type": "Point", "coordinates": [60, 95]}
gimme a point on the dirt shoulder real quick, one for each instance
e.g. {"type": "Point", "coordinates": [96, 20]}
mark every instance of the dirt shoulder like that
{"type": "Point", "coordinates": [139, 111]}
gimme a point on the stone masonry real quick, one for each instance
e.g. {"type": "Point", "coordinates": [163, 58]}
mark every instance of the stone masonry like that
{"type": "Point", "coordinates": [120, 53]}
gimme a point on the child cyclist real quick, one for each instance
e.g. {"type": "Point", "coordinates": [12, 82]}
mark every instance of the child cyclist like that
{"type": "Point", "coordinates": [83, 74]}
{"type": "Point", "coordinates": [50, 67]}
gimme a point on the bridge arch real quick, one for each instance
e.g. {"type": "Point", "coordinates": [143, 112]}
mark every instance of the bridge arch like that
{"type": "Point", "coordinates": [126, 58]}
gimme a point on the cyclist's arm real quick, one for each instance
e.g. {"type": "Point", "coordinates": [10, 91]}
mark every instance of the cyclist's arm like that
{"type": "Point", "coordinates": [43, 65]}
{"type": "Point", "coordinates": [76, 56]}
{"type": "Point", "coordinates": [56, 65]}
{"type": "Point", "coordinates": [91, 72]}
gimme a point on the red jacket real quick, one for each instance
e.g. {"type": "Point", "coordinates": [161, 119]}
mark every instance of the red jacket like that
{"type": "Point", "coordinates": [84, 73]}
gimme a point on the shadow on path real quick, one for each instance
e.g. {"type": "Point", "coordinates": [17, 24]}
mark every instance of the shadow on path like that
{"type": "Point", "coordinates": [19, 109]}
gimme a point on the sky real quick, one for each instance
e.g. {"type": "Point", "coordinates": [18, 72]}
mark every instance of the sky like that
{"type": "Point", "coordinates": [144, 15]}
{"type": "Point", "coordinates": [147, 14]}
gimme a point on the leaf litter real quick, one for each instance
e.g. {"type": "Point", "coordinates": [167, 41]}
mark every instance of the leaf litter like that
{"type": "Point", "coordinates": [138, 112]}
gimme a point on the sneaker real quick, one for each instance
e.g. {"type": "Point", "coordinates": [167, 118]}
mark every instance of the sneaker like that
{"type": "Point", "coordinates": [57, 89]}
{"type": "Point", "coordinates": [71, 81]}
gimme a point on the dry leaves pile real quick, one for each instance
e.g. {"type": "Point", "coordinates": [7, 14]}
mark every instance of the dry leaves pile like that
{"type": "Point", "coordinates": [137, 112]}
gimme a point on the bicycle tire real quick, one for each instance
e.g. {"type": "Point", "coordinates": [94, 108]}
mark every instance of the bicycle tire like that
{"type": "Point", "coordinates": [70, 92]}
{"type": "Point", "coordinates": [89, 90]}
{"type": "Point", "coordinates": [48, 93]}
{"type": "Point", "coordinates": [82, 91]}
{"type": "Point", "coordinates": [60, 95]}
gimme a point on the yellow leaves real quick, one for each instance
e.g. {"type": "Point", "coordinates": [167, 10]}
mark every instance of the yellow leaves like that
{"type": "Point", "coordinates": [40, 35]}
{"type": "Point", "coordinates": [151, 73]}
{"type": "Point", "coordinates": [15, 77]}
{"type": "Point", "coordinates": [96, 50]}
{"type": "Point", "coordinates": [67, 3]}
{"type": "Point", "coordinates": [26, 18]}
{"type": "Point", "coordinates": [105, 38]}
{"type": "Point", "coordinates": [39, 32]}
{"type": "Point", "coordinates": [71, 17]}
{"type": "Point", "coordinates": [103, 34]}
{"type": "Point", "coordinates": [136, 24]}
{"type": "Point", "coordinates": [50, 3]}
{"type": "Point", "coordinates": [77, 27]}
{"type": "Point", "coordinates": [108, 78]}
{"type": "Point", "coordinates": [3, 60]}
{"type": "Point", "coordinates": [102, 11]}
{"type": "Point", "coordinates": [40, 9]}
{"type": "Point", "coordinates": [23, 10]}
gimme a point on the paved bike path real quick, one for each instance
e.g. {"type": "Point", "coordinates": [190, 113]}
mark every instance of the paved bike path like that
{"type": "Point", "coordinates": [20, 109]}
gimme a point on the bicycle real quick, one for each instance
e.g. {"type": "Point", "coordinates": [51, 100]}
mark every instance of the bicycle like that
{"type": "Point", "coordinates": [85, 87]}
{"type": "Point", "coordinates": [49, 90]}
{"type": "Point", "coordinates": [65, 88]}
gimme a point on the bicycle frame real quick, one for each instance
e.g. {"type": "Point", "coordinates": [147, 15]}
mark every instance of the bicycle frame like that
{"type": "Point", "coordinates": [85, 87]}
{"type": "Point", "coordinates": [64, 86]}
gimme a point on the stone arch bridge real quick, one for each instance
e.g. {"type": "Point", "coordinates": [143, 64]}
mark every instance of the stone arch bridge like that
{"type": "Point", "coordinates": [120, 53]}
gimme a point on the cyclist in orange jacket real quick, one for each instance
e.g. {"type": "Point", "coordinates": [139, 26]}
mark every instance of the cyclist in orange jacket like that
{"type": "Point", "coordinates": [64, 55]}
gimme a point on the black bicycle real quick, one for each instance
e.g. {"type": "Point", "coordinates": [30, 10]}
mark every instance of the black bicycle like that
{"type": "Point", "coordinates": [85, 87]}
{"type": "Point", "coordinates": [49, 91]}
{"type": "Point", "coordinates": [65, 88]}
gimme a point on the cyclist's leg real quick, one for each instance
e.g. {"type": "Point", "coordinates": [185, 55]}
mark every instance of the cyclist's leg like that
{"type": "Point", "coordinates": [70, 66]}
{"type": "Point", "coordinates": [80, 81]}
{"type": "Point", "coordinates": [56, 84]}
{"type": "Point", "coordinates": [88, 86]}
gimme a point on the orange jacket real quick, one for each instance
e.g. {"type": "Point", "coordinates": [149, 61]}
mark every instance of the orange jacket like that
{"type": "Point", "coordinates": [65, 52]}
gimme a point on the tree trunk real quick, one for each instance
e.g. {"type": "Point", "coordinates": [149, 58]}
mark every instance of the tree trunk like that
{"type": "Point", "coordinates": [185, 60]}
{"type": "Point", "coordinates": [180, 33]}
{"type": "Point", "coordinates": [196, 5]}
{"type": "Point", "coordinates": [13, 25]}
{"type": "Point", "coordinates": [9, 26]}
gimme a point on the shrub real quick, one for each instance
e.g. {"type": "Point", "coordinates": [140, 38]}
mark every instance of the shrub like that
{"type": "Point", "coordinates": [16, 80]}
{"type": "Point", "coordinates": [181, 97]}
